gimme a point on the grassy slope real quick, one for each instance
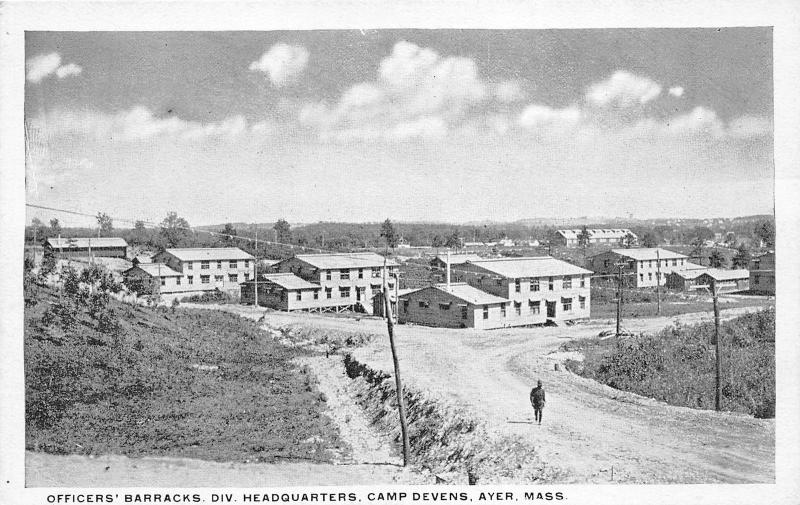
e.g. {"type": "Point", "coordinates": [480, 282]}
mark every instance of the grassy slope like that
{"type": "Point", "coordinates": [137, 393]}
{"type": "Point", "coordinates": [677, 365]}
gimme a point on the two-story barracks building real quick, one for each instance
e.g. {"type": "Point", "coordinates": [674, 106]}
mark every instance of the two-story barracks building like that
{"type": "Point", "coordinates": [206, 268]}
{"type": "Point", "coordinates": [641, 266]}
{"type": "Point", "coordinates": [346, 281]}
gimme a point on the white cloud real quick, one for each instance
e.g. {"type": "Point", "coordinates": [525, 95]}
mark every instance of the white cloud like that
{"type": "Point", "coordinates": [43, 65]}
{"type": "Point", "coordinates": [139, 123]}
{"type": "Point", "coordinates": [676, 91]}
{"type": "Point", "coordinates": [417, 93]}
{"type": "Point", "coordinates": [538, 117]}
{"type": "Point", "coordinates": [623, 89]}
{"type": "Point", "coordinates": [699, 121]}
{"type": "Point", "coordinates": [509, 92]}
{"type": "Point", "coordinates": [68, 70]}
{"type": "Point", "coordinates": [282, 63]}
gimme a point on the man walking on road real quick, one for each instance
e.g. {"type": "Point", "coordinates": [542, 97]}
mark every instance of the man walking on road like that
{"type": "Point", "coordinates": [537, 401]}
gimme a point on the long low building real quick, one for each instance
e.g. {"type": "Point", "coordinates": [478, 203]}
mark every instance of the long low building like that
{"type": "Point", "coordinates": [284, 291]}
{"type": "Point", "coordinates": [596, 236]}
{"type": "Point", "coordinates": [457, 305]}
{"type": "Point", "coordinates": [726, 281]}
{"type": "Point", "coordinates": [107, 247]}
{"type": "Point", "coordinates": [641, 266]}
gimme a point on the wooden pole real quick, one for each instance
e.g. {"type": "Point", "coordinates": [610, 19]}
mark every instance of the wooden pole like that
{"type": "Point", "coordinates": [658, 282]}
{"type": "Point", "coordinates": [255, 272]}
{"type": "Point", "coordinates": [619, 296]}
{"type": "Point", "coordinates": [718, 395]}
{"type": "Point", "coordinates": [401, 406]}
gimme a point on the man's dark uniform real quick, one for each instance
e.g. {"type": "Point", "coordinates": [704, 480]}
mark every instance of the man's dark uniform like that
{"type": "Point", "coordinates": [537, 401]}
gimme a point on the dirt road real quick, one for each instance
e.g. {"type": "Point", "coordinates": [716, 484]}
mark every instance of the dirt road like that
{"type": "Point", "coordinates": [596, 433]}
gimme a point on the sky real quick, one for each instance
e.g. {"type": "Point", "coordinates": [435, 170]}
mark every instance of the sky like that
{"type": "Point", "coordinates": [433, 125]}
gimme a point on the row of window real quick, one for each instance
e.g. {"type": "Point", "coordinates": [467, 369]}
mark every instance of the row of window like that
{"type": "Point", "coordinates": [534, 307]}
{"type": "Point", "coordinates": [206, 265]}
{"type": "Point", "coordinates": [534, 283]}
{"type": "Point", "coordinates": [206, 279]}
{"type": "Point", "coordinates": [344, 273]}
{"type": "Point", "coordinates": [666, 263]}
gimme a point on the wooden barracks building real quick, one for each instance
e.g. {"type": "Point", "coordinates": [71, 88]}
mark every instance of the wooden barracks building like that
{"type": "Point", "coordinates": [323, 282]}
{"type": "Point", "coordinates": [642, 265]}
{"type": "Point", "coordinates": [107, 247]}
{"type": "Point", "coordinates": [498, 293]}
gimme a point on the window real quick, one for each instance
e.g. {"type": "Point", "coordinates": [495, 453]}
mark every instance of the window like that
{"type": "Point", "coordinates": [376, 272]}
{"type": "Point", "coordinates": [517, 286]}
{"type": "Point", "coordinates": [178, 281]}
{"type": "Point", "coordinates": [535, 307]}
{"type": "Point", "coordinates": [328, 292]}
{"type": "Point", "coordinates": [649, 276]}
{"type": "Point", "coordinates": [550, 283]}
{"type": "Point", "coordinates": [205, 279]}
{"type": "Point", "coordinates": [360, 273]}
{"type": "Point", "coordinates": [233, 277]}
{"type": "Point", "coordinates": [499, 282]}
{"type": "Point", "coordinates": [567, 282]}
{"type": "Point", "coordinates": [756, 278]}
{"type": "Point", "coordinates": [444, 306]}
{"type": "Point", "coordinates": [189, 265]}
{"type": "Point", "coordinates": [405, 305]}
{"type": "Point", "coordinates": [674, 263]}
{"type": "Point", "coordinates": [534, 284]}
{"type": "Point", "coordinates": [163, 281]}
{"type": "Point", "coordinates": [247, 263]}
{"type": "Point", "coordinates": [567, 304]}
{"type": "Point", "coordinates": [464, 312]}
{"type": "Point", "coordinates": [316, 295]}
{"type": "Point", "coordinates": [376, 288]}
{"type": "Point", "coordinates": [681, 262]}
{"type": "Point", "coordinates": [219, 278]}
{"type": "Point", "coordinates": [233, 264]}
{"type": "Point", "coordinates": [650, 264]}
{"type": "Point", "coordinates": [219, 264]}
{"type": "Point", "coordinates": [486, 312]}
{"type": "Point", "coordinates": [344, 273]}
{"type": "Point", "coordinates": [344, 292]}
{"type": "Point", "coordinates": [424, 304]}
{"type": "Point", "coordinates": [641, 277]}
{"type": "Point", "coordinates": [327, 275]}
{"type": "Point", "coordinates": [583, 281]}
{"type": "Point", "coordinates": [190, 279]}
{"type": "Point", "coordinates": [518, 308]}
{"type": "Point", "coordinates": [246, 276]}
{"type": "Point", "coordinates": [606, 263]}
{"type": "Point", "coordinates": [503, 309]}
{"type": "Point", "coordinates": [641, 264]}
{"type": "Point", "coordinates": [299, 296]}
{"type": "Point", "coordinates": [582, 301]}
{"type": "Point", "coordinates": [390, 284]}
{"type": "Point", "coordinates": [204, 265]}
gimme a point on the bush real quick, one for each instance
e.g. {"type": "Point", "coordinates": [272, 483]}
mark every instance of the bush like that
{"type": "Point", "coordinates": [677, 365]}
{"type": "Point", "coordinates": [215, 296]}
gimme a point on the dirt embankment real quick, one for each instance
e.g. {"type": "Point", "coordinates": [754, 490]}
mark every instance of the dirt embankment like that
{"type": "Point", "coordinates": [445, 439]}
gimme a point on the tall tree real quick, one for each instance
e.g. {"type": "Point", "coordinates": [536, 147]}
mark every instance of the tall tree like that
{"type": "Point", "coordinates": [765, 231]}
{"type": "Point", "coordinates": [283, 230]}
{"type": "Point", "coordinates": [55, 227]}
{"type": "Point", "coordinates": [453, 240]}
{"type": "Point", "coordinates": [583, 237]}
{"type": "Point", "coordinates": [105, 223]}
{"type": "Point", "coordinates": [437, 241]}
{"type": "Point", "coordinates": [629, 240]}
{"type": "Point", "coordinates": [649, 240]}
{"type": "Point", "coordinates": [389, 234]}
{"type": "Point", "coordinates": [229, 233]}
{"type": "Point", "coordinates": [697, 249]}
{"type": "Point", "coordinates": [742, 258]}
{"type": "Point", "coordinates": [174, 229]}
{"type": "Point", "coordinates": [716, 259]}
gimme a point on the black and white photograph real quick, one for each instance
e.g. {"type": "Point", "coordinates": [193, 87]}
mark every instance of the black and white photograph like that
{"type": "Point", "coordinates": [406, 260]}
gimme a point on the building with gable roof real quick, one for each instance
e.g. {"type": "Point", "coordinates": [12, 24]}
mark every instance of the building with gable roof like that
{"type": "Point", "coordinates": [107, 247]}
{"type": "Point", "coordinates": [209, 268]}
{"type": "Point", "coordinates": [641, 266]}
{"type": "Point", "coordinates": [597, 236]}
{"type": "Point", "coordinates": [458, 305]}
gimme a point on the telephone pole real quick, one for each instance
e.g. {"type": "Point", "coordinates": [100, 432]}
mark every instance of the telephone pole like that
{"type": "Point", "coordinates": [255, 272]}
{"type": "Point", "coordinates": [658, 282]}
{"type": "Point", "coordinates": [718, 395]}
{"type": "Point", "coordinates": [619, 266]}
{"type": "Point", "coordinates": [401, 406]}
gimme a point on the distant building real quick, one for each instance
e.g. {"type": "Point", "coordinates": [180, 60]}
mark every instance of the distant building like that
{"type": "Point", "coordinates": [282, 291]}
{"type": "Point", "coordinates": [154, 278]}
{"type": "Point", "coordinates": [762, 273]}
{"type": "Point", "coordinates": [641, 266]}
{"type": "Point", "coordinates": [538, 289]}
{"type": "Point", "coordinates": [506, 242]}
{"type": "Point", "coordinates": [597, 236]}
{"type": "Point", "coordinates": [348, 281]}
{"type": "Point", "coordinates": [691, 279]}
{"type": "Point", "coordinates": [208, 268]}
{"type": "Point", "coordinates": [107, 247]}
{"type": "Point", "coordinates": [457, 306]}
{"type": "Point", "coordinates": [440, 261]}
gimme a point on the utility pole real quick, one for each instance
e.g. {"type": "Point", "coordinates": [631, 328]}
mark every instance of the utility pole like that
{"type": "Point", "coordinates": [255, 272]}
{"type": "Point", "coordinates": [619, 266]}
{"type": "Point", "coordinates": [401, 407]}
{"type": "Point", "coordinates": [718, 395]}
{"type": "Point", "coordinates": [658, 282]}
